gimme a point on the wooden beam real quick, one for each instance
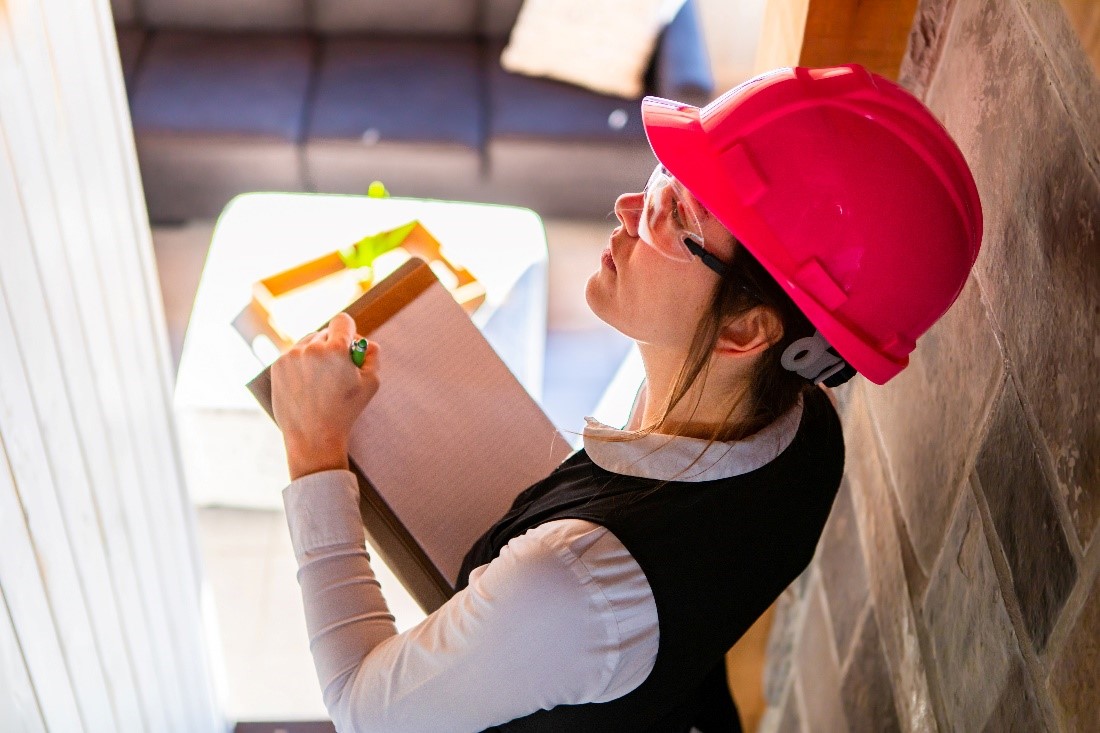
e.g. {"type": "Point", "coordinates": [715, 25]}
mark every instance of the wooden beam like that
{"type": "Point", "coordinates": [872, 33]}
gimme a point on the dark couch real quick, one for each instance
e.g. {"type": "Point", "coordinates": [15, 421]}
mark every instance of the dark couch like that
{"type": "Point", "coordinates": [229, 96]}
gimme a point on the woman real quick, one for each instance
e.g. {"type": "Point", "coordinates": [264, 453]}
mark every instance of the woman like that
{"type": "Point", "coordinates": [807, 225]}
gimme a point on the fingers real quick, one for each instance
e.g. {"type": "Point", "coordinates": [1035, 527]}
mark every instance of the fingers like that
{"type": "Point", "coordinates": [334, 339]}
{"type": "Point", "coordinates": [370, 358]}
{"type": "Point", "coordinates": [341, 329]}
{"type": "Point", "coordinates": [311, 336]}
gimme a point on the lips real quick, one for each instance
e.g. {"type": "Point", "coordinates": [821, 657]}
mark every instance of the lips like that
{"type": "Point", "coordinates": [608, 260]}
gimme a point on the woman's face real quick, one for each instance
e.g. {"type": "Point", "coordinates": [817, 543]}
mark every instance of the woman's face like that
{"type": "Point", "coordinates": [641, 292]}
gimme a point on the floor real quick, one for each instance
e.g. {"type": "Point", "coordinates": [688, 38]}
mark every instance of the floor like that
{"type": "Point", "coordinates": [248, 560]}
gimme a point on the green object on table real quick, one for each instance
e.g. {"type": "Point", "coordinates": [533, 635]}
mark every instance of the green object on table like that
{"type": "Point", "coordinates": [359, 351]}
{"type": "Point", "coordinates": [367, 249]}
{"type": "Point", "coordinates": [376, 190]}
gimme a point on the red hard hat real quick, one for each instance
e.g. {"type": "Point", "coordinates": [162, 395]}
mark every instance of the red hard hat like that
{"type": "Point", "coordinates": [847, 190]}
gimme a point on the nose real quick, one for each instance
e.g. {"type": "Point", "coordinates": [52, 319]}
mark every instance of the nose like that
{"type": "Point", "coordinates": [628, 209]}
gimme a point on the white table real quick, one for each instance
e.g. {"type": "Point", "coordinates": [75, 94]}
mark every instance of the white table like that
{"type": "Point", "coordinates": [232, 451]}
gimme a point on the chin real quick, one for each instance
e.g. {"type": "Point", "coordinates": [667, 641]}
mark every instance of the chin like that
{"type": "Point", "coordinates": [603, 307]}
{"type": "Point", "coordinates": [599, 301]}
{"type": "Point", "coordinates": [595, 296]}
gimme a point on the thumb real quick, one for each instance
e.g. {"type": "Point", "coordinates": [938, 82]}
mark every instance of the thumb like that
{"type": "Point", "coordinates": [341, 328]}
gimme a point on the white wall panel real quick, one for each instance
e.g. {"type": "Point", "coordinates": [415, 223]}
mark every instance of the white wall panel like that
{"type": "Point", "coordinates": [101, 626]}
{"type": "Point", "coordinates": [31, 472]}
{"type": "Point", "coordinates": [18, 703]}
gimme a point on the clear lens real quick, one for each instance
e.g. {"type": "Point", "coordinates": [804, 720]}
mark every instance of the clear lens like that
{"type": "Point", "coordinates": [667, 216]}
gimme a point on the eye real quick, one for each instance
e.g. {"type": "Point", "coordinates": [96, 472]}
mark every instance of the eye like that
{"type": "Point", "coordinates": [677, 212]}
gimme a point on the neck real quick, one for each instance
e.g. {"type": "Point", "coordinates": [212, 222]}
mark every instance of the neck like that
{"type": "Point", "coordinates": [704, 411]}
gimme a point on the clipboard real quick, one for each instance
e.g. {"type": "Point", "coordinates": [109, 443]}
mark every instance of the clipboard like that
{"type": "Point", "coordinates": [448, 442]}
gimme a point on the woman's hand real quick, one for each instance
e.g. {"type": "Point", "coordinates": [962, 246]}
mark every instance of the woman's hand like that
{"type": "Point", "coordinates": [317, 393]}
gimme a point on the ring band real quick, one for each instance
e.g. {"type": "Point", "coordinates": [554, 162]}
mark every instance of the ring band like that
{"type": "Point", "coordinates": [358, 351]}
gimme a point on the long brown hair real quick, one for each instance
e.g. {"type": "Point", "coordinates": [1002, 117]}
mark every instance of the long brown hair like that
{"type": "Point", "coordinates": [772, 390]}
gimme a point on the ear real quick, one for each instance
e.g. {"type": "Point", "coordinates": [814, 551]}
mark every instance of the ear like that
{"type": "Point", "coordinates": [750, 333]}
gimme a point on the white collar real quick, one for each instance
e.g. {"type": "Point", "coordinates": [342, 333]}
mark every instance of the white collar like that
{"type": "Point", "coordinates": [677, 458]}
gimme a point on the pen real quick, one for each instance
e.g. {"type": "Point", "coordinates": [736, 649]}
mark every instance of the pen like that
{"type": "Point", "coordinates": [358, 351]}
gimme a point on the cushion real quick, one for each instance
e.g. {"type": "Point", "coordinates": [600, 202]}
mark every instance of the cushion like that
{"type": "Point", "coordinates": [254, 15]}
{"type": "Point", "coordinates": [527, 107]}
{"type": "Point", "coordinates": [205, 83]}
{"type": "Point", "coordinates": [218, 115]}
{"type": "Point", "coordinates": [130, 41]}
{"type": "Point", "coordinates": [498, 17]}
{"type": "Point", "coordinates": [682, 69]}
{"type": "Point", "coordinates": [604, 45]}
{"type": "Point", "coordinates": [406, 112]}
{"type": "Point", "coordinates": [579, 179]}
{"type": "Point", "coordinates": [380, 90]}
{"type": "Point", "coordinates": [420, 170]}
{"type": "Point", "coordinates": [397, 17]}
{"type": "Point", "coordinates": [123, 11]}
{"type": "Point", "coordinates": [191, 177]}
{"type": "Point", "coordinates": [560, 149]}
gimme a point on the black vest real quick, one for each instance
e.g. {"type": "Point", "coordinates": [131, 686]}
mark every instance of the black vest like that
{"type": "Point", "coordinates": [715, 553]}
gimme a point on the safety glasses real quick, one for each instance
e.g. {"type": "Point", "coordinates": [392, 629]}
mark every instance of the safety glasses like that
{"type": "Point", "coordinates": [669, 221]}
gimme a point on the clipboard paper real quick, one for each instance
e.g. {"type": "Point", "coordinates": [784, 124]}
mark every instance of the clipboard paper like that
{"type": "Point", "coordinates": [448, 442]}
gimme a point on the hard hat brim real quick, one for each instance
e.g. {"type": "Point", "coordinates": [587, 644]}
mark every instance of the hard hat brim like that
{"type": "Point", "coordinates": [675, 133]}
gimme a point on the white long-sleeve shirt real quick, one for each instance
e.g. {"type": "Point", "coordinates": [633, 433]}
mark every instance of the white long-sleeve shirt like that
{"type": "Point", "coordinates": [564, 615]}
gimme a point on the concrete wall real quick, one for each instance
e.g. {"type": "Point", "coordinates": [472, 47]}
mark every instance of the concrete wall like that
{"type": "Point", "coordinates": [956, 585]}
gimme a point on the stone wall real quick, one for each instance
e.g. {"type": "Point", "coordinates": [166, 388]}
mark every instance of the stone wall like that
{"type": "Point", "coordinates": [956, 585]}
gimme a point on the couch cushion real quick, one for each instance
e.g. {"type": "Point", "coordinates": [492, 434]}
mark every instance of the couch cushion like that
{"type": "Point", "coordinates": [455, 18]}
{"type": "Point", "coordinates": [527, 107]}
{"type": "Point", "coordinates": [419, 170]}
{"type": "Point", "coordinates": [398, 90]}
{"type": "Point", "coordinates": [565, 179]}
{"type": "Point", "coordinates": [560, 149]}
{"type": "Point", "coordinates": [406, 112]}
{"type": "Point", "coordinates": [194, 177]}
{"type": "Point", "coordinates": [251, 15]}
{"type": "Point", "coordinates": [130, 42]}
{"type": "Point", "coordinates": [597, 44]}
{"type": "Point", "coordinates": [211, 84]}
{"type": "Point", "coordinates": [123, 11]}
{"type": "Point", "coordinates": [218, 115]}
{"type": "Point", "coordinates": [498, 17]}
{"type": "Point", "coordinates": [683, 66]}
